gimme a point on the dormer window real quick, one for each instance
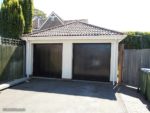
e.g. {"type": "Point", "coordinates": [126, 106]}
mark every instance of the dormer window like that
{"type": "Point", "coordinates": [52, 17]}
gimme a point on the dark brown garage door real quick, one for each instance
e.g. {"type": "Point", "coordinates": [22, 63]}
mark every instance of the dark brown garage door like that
{"type": "Point", "coordinates": [48, 60]}
{"type": "Point", "coordinates": [91, 62]}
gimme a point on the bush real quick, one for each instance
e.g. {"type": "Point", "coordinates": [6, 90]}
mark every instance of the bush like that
{"type": "Point", "coordinates": [137, 40]}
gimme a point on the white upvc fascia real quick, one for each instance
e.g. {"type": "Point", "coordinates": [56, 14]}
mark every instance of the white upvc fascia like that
{"type": "Point", "coordinates": [71, 41]}
{"type": "Point", "coordinates": [102, 37]}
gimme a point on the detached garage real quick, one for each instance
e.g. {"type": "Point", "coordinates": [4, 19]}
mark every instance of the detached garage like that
{"type": "Point", "coordinates": [73, 50]}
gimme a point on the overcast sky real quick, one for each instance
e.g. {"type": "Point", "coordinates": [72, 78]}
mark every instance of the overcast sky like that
{"type": "Point", "coordinates": [122, 15]}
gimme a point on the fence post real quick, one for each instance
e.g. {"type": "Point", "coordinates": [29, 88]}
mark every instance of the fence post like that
{"type": "Point", "coordinates": [24, 60]}
{"type": "Point", "coordinates": [120, 63]}
{"type": "Point", "coordinates": [0, 40]}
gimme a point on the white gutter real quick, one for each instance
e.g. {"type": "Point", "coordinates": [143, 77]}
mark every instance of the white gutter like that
{"type": "Point", "coordinates": [102, 37]}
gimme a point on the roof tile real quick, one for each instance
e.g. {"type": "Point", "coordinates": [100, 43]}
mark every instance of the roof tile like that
{"type": "Point", "coordinates": [76, 28]}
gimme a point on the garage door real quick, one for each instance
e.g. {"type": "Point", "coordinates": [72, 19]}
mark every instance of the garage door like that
{"type": "Point", "coordinates": [48, 60]}
{"type": "Point", "coordinates": [91, 62]}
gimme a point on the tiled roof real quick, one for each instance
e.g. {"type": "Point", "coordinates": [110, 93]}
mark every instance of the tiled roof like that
{"type": "Point", "coordinates": [76, 28]}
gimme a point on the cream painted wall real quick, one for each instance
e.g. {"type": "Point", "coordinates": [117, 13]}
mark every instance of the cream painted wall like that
{"type": "Point", "coordinates": [114, 61]}
{"type": "Point", "coordinates": [29, 59]}
{"type": "Point", "coordinates": [67, 57]}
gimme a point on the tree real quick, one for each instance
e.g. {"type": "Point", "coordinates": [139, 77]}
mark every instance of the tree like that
{"type": "Point", "coordinates": [11, 19]}
{"type": "Point", "coordinates": [39, 13]}
{"type": "Point", "coordinates": [27, 8]}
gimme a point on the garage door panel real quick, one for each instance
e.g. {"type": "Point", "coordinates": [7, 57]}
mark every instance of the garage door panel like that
{"type": "Point", "coordinates": [48, 60]}
{"type": "Point", "coordinates": [91, 62]}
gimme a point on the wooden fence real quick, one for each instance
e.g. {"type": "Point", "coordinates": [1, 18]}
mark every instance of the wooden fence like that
{"type": "Point", "coordinates": [12, 60]}
{"type": "Point", "coordinates": [133, 60]}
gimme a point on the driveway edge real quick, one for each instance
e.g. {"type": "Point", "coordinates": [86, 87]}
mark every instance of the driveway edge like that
{"type": "Point", "coordinates": [121, 103]}
{"type": "Point", "coordinates": [12, 83]}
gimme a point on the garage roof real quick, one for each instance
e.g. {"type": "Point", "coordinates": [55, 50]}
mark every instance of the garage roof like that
{"type": "Point", "coordinates": [76, 28]}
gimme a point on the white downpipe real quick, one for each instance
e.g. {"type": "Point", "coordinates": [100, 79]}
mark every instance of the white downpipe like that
{"type": "Point", "coordinates": [38, 23]}
{"type": "Point", "coordinates": [27, 59]}
{"type": "Point", "coordinates": [114, 62]}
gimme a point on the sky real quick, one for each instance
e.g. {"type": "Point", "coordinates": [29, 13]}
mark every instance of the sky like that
{"type": "Point", "coordinates": [121, 15]}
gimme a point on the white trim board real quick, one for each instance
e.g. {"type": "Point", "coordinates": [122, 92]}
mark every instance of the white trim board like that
{"type": "Point", "coordinates": [109, 38]}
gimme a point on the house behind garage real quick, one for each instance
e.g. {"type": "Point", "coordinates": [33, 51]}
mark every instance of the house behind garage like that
{"type": "Point", "coordinates": [72, 49]}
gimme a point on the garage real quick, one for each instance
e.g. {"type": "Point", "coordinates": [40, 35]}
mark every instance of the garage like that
{"type": "Point", "coordinates": [47, 60]}
{"type": "Point", "coordinates": [74, 51]}
{"type": "Point", "coordinates": [91, 62]}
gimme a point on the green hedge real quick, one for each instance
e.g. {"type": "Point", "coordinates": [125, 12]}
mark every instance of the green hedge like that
{"type": "Point", "coordinates": [137, 40]}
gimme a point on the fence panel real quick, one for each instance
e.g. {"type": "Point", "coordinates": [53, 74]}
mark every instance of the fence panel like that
{"type": "Point", "coordinates": [12, 62]}
{"type": "Point", "coordinates": [133, 61]}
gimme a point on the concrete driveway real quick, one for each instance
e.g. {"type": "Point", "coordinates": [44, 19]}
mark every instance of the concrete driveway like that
{"type": "Point", "coordinates": [58, 96]}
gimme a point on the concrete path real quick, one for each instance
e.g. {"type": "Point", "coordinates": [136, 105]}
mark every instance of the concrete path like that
{"type": "Point", "coordinates": [57, 96]}
{"type": "Point", "coordinates": [133, 101]}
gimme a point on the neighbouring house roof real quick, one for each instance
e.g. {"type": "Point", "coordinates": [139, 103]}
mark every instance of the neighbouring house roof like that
{"type": "Point", "coordinates": [54, 20]}
{"type": "Point", "coordinates": [37, 22]}
{"type": "Point", "coordinates": [75, 28]}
